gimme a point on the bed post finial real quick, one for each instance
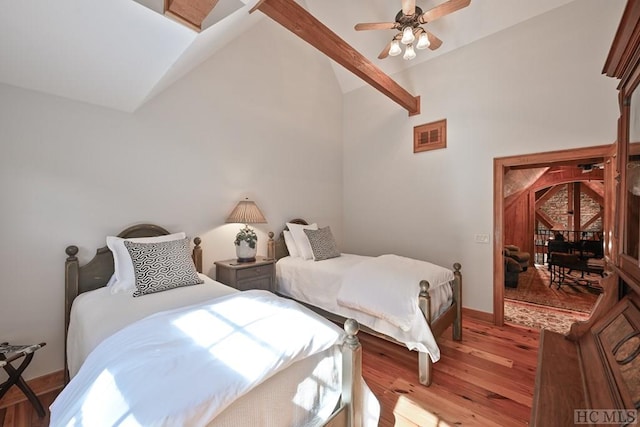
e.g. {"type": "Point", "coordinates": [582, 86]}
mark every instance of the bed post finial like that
{"type": "Point", "coordinates": [271, 246]}
{"type": "Point", "coordinates": [72, 251]}
{"type": "Point", "coordinates": [197, 254]}
{"type": "Point", "coordinates": [352, 328]}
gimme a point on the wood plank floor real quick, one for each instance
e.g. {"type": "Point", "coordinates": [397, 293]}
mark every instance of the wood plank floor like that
{"type": "Point", "coordinates": [485, 380]}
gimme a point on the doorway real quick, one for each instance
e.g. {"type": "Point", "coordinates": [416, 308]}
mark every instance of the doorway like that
{"type": "Point", "coordinates": [573, 157]}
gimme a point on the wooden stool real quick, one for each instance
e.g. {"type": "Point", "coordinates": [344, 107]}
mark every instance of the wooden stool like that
{"type": "Point", "coordinates": [9, 353]}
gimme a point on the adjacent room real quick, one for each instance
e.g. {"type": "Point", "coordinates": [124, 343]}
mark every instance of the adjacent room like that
{"type": "Point", "coordinates": [379, 181]}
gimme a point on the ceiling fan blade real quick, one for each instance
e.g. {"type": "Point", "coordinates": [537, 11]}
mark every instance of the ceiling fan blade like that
{"type": "Point", "coordinates": [442, 10]}
{"type": "Point", "coordinates": [408, 7]}
{"type": "Point", "coordinates": [375, 26]}
{"type": "Point", "coordinates": [385, 51]}
{"type": "Point", "coordinates": [435, 42]}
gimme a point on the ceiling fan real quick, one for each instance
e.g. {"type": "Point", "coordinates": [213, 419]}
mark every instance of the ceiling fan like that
{"type": "Point", "coordinates": [408, 23]}
{"type": "Point", "coordinates": [589, 167]}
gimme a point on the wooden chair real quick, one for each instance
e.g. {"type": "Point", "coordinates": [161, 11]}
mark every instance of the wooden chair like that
{"type": "Point", "coordinates": [10, 353]}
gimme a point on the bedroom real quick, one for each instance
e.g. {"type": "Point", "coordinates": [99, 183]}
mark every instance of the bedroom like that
{"type": "Point", "coordinates": [265, 118]}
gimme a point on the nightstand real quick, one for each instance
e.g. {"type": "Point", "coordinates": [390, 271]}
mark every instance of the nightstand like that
{"type": "Point", "coordinates": [243, 276]}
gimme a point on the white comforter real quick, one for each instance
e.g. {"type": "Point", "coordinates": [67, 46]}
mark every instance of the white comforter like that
{"type": "Point", "coordinates": [184, 366]}
{"type": "Point", "coordinates": [319, 284]}
{"type": "Point", "coordinates": [385, 287]}
{"type": "Point", "coordinates": [98, 314]}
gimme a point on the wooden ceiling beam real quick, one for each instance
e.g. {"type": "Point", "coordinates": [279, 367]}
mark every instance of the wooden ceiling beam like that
{"type": "Point", "coordinates": [547, 195]}
{"type": "Point", "coordinates": [300, 22]}
{"type": "Point", "coordinates": [595, 190]}
{"type": "Point", "coordinates": [189, 12]}
{"type": "Point", "coordinates": [592, 220]}
{"type": "Point", "coordinates": [545, 219]}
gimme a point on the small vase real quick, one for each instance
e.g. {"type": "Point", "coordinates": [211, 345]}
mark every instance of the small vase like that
{"type": "Point", "coordinates": [245, 253]}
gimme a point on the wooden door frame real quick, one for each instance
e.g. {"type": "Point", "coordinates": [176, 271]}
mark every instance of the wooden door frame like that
{"type": "Point", "coordinates": [500, 166]}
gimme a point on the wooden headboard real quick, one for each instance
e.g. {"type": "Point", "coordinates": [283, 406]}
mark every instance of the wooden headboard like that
{"type": "Point", "coordinates": [96, 273]}
{"type": "Point", "coordinates": [281, 247]}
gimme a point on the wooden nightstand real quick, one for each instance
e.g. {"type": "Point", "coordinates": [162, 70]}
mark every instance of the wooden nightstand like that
{"type": "Point", "coordinates": [260, 274]}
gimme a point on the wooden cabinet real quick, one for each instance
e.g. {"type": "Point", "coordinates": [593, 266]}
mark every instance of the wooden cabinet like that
{"type": "Point", "coordinates": [623, 63]}
{"type": "Point", "coordinates": [247, 275]}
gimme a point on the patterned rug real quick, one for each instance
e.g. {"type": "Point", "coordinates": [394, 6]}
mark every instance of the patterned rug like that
{"type": "Point", "coordinates": [533, 288]}
{"type": "Point", "coordinates": [538, 317]}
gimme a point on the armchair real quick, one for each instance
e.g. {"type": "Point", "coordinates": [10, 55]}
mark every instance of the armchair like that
{"type": "Point", "coordinates": [514, 252]}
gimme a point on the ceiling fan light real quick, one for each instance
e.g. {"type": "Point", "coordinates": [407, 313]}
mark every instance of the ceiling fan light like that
{"type": "Point", "coordinates": [394, 49]}
{"type": "Point", "coordinates": [409, 53]}
{"type": "Point", "coordinates": [407, 35]}
{"type": "Point", "coordinates": [423, 41]}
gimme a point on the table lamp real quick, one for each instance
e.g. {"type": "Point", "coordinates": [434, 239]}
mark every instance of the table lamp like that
{"type": "Point", "coordinates": [246, 212]}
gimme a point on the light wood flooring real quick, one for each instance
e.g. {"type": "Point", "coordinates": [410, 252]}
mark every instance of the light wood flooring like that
{"type": "Point", "coordinates": [485, 380]}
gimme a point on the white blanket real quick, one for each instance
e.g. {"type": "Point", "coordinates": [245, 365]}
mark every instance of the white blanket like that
{"type": "Point", "coordinates": [184, 366]}
{"type": "Point", "coordinates": [386, 287]}
{"type": "Point", "coordinates": [98, 314]}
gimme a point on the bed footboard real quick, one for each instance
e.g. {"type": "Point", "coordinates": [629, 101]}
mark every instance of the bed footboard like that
{"type": "Point", "coordinates": [453, 316]}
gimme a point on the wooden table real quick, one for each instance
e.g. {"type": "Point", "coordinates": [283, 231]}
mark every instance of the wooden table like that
{"type": "Point", "coordinates": [562, 264]}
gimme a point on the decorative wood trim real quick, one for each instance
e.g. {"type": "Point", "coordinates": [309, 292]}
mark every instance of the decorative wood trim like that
{"type": "Point", "coordinates": [481, 316]}
{"type": "Point", "coordinates": [41, 385]}
{"type": "Point", "coordinates": [430, 136]}
{"type": "Point", "coordinates": [625, 42]}
{"type": "Point", "coordinates": [500, 166]}
{"type": "Point", "coordinates": [300, 22]}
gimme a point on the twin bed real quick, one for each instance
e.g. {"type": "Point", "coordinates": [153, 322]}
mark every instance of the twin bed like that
{"type": "Point", "coordinates": [203, 354]}
{"type": "Point", "coordinates": [406, 301]}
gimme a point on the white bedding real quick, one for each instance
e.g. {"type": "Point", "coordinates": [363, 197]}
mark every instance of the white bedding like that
{"type": "Point", "coordinates": [319, 284]}
{"type": "Point", "coordinates": [216, 351]}
{"type": "Point", "coordinates": [98, 314]}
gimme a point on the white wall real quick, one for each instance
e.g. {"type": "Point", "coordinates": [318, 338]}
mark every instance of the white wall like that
{"type": "Point", "coordinates": [534, 87]}
{"type": "Point", "coordinates": [262, 119]}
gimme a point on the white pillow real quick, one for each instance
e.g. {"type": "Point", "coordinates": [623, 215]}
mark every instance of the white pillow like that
{"type": "Point", "coordinates": [291, 244]}
{"type": "Point", "coordinates": [125, 278]}
{"type": "Point", "coordinates": [301, 239]}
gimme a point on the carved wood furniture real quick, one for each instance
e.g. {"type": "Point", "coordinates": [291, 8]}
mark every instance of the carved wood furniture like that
{"type": "Point", "coordinates": [597, 367]}
{"type": "Point", "coordinates": [95, 274]}
{"type": "Point", "coordinates": [451, 317]}
{"type": "Point", "coordinates": [601, 370]}
{"type": "Point", "coordinates": [260, 274]}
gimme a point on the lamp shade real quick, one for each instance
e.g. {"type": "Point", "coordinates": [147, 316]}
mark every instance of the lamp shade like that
{"type": "Point", "coordinates": [246, 212]}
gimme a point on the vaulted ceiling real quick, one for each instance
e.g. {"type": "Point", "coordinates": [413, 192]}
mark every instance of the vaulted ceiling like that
{"type": "Point", "coordinates": [121, 53]}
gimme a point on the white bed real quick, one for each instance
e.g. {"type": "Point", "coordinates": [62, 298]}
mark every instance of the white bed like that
{"type": "Point", "coordinates": [136, 344]}
{"type": "Point", "coordinates": [318, 283]}
{"type": "Point", "coordinates": [405, 300]}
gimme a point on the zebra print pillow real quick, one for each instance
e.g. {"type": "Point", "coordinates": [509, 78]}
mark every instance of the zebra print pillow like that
{"type": "Point", "coordinates": [162, 266]}
{"type": "Point", "coordinates": [322, 244]}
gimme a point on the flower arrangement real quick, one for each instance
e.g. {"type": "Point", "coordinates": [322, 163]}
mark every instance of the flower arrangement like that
{"type": "Point", "coordinates": [247, 235]}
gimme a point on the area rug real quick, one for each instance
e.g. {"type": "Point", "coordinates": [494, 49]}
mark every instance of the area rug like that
{"type": "Point", "coordinates": [533, 287]}
{"type": "Point", "coordinates": [534, 316]}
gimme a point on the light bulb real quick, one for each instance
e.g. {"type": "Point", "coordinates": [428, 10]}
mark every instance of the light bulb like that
{"type": "Point", "coordinates": [423, 41]}
{"type": "Point", "coordinates": [394, 49]}
{"type": "Point", "coordinates": [409, 53]}
{"type": "Point", "coordinates": [407, 35]}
